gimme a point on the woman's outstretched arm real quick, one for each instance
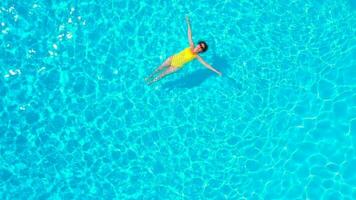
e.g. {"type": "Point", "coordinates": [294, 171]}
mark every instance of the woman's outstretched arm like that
{"type": "Point", "coordinates": [208, 66]}
{"type": "Point", "coordinates": [189, 33]}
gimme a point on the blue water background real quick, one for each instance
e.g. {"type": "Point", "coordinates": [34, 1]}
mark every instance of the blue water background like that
{"type": "Point", "coordinates": [77, 120]}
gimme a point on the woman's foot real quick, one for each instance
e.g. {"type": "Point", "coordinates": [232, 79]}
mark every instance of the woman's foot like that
{"type": "Point", "coordinates": [147, 79]}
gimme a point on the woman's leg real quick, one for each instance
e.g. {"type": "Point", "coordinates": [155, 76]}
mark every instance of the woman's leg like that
{"type": "Point", "coordinates": [165, 64]}
{"type": "Point", "coordinates": [170, 70]}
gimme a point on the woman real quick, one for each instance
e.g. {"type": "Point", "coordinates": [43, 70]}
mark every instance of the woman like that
{"type": "Point", "coordinates": [176, 62]}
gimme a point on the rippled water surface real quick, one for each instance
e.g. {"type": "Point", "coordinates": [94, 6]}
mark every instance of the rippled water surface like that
{"type": "Point", "coordinates": [77, 120]}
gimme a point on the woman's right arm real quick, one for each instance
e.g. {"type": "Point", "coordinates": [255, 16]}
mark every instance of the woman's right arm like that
{"type": "Point", "coordinates": [189, 34]}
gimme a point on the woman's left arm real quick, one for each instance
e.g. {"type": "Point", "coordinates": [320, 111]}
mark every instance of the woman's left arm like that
{"type": "Point", "coordinates": [208, 66]}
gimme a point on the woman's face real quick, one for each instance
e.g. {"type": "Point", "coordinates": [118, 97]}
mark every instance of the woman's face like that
{"type": "Point", "coordinates": [199, 48]}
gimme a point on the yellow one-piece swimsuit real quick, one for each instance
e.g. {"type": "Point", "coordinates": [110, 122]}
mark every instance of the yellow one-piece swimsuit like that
{"type": "Point", "coordinates": [181, 58]}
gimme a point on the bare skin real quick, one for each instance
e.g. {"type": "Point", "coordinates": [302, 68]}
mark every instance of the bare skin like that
{"type": "Point", "coordinates": [164, 66]}
{"type": "Point", "coordinates": [166, 69]}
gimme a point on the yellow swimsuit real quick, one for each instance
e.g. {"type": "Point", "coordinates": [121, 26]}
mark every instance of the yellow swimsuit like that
{"type": "Point", "coordinates": [179, 59]}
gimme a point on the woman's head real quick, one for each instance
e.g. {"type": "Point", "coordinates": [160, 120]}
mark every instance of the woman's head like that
{"type": "Point", "coordinates": [201, 47]}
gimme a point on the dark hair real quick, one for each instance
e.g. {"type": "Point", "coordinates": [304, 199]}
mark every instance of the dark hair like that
{"type": "Point", "coordinates": [205, 46]}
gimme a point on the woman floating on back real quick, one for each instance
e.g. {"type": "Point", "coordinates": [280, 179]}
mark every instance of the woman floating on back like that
{"type": "Point", "coordinates": [176, 62]}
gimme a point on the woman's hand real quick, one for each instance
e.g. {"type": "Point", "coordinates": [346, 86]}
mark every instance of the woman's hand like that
{"type": "Point", "coordinates": [187, 18]}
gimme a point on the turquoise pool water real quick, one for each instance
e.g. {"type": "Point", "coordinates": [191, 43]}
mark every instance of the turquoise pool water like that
{"type": "Point", "coordinates": [77, 120]}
